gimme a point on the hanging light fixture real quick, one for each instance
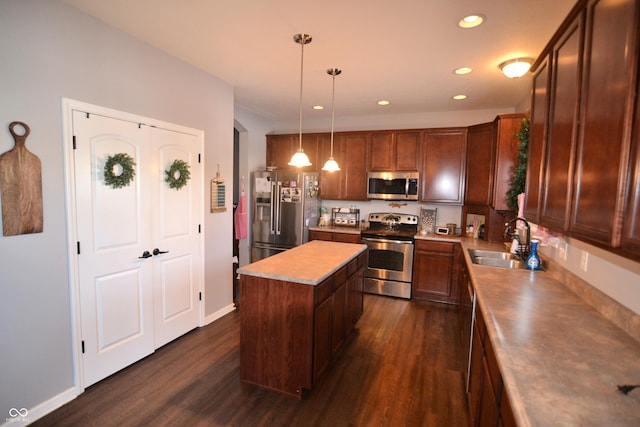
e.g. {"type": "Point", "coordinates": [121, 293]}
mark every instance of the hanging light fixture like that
{"type": "Point", "coordinates": [299, 158]}
{"type": "Point", "coordinates": [331, 165]}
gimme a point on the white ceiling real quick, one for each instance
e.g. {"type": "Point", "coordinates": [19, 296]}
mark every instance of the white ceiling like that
{"type": "Point", "coordinates": [404, 51]}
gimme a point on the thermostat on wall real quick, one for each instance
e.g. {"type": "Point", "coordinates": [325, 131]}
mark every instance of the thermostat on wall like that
{"type": "Point", "coordinates": [442, 230]}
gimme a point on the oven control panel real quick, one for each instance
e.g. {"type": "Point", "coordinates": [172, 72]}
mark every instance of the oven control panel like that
{"type": "Point", "coordinates": [397, 218]}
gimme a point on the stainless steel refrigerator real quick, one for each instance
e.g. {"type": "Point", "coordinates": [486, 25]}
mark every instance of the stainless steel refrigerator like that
{"type": "Point", "coordinates": [284, 205]}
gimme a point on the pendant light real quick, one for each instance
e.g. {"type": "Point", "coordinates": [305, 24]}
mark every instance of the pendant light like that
{"type": "Point", "coordinates": [331, 165]}
{"type": "Point", "coordinates": [299, 158]}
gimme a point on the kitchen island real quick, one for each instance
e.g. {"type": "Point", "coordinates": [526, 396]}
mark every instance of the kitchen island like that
{"type": "Point", "coordinates": [297, 308]}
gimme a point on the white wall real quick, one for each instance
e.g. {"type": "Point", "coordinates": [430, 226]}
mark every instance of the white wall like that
{"type": "Point", "coordinates": [51, 51]}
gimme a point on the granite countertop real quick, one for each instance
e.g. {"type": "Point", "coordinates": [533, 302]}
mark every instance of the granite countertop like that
{"type": "Point", "coordinates": [560, 359]}
{"type": "Point", "coordinates": [309, 264]}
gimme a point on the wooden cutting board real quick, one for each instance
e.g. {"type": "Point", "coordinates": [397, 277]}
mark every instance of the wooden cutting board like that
{"type": "Point", "coordinates": [20, 187]}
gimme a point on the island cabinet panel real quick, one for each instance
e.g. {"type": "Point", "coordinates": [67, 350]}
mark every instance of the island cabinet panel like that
{"type": "Point", "coordinates": [270, 336]}
{"type": "Point", "coordinates": [609, 78]}
{"type": "Point", "coordinates": [537, 139]}
{"type": "Point", "coordinates": [292, 332]}
{"type": "Point", "coordinates": [434, 272]}
{"type": "Point", "coordinates": [631, 231]}
{"type": "Point", "coordinates": [443, 159]}
{"type": "Point", "coordinates": [562, 133]}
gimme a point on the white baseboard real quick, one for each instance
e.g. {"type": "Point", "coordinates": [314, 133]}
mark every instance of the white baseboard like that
{"type": "Point", "coordinates": [42, 409]}
{"type": "Point", "coordinates": [218, 314]}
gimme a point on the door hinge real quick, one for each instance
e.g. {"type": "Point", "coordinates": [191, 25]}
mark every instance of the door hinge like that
{"type": "Point", "coordinates": [82, 346]}
{"type": "Point", "coordinates": [74, 142]}
{"type": "Point", "coordinates": [199, 228]}
{"type": "Point", "coordinates": [199, 158]}
{"type": "Point", "coordinates": [78, 247]}
{"type": "Point", "coordinates": [87, 115]}
{"type": "Point", "coordinates": [200, 296]}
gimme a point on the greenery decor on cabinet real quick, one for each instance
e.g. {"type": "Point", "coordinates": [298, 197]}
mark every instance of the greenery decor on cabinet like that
{"type": "Point", "coordinates": [520, 173]}
{"type": "Point", "coordinates": [119, 170]}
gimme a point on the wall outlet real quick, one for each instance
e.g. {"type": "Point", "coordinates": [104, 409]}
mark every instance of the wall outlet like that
{"type": "Point", "coordinates": [584, 260]}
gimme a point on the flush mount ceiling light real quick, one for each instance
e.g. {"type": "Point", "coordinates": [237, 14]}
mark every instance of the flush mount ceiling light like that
{"type": "Point", "coordinates": [300, 159]}
{"type": "Point", "coordinates": [516, 67]}
{"type": "Point", "coordinates": [331, 165]}
{"type": "Point", "coordinates": [462, 71]}
{"type": "Point", "coordinates": [318, 107]}
{"type": "Point", "coordinates": [459, 97]}
{"type": "Point", "coordinates": [471, 21]}
{"type": "Point", "coordinates": [383, 102]}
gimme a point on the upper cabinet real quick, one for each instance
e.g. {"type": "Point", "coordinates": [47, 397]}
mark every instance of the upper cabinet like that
{"type": "Point", "coordinates": [394, 151]}
{"type": "Point", "coordinates": [582, 171]}
{"type": "Point", "coordinates": [350, 182]}
{"type": "Point", "coordinates": [492, 151]}
{"type": "Point", "coordinates": [280, 149]}
{"type": "Point", "coordinates": [443, 155]}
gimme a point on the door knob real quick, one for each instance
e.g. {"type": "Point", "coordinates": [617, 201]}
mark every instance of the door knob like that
{"type": "Point", "coordinates": [157, 251]}
{"type": "Point", "coordinates": [145, 254]}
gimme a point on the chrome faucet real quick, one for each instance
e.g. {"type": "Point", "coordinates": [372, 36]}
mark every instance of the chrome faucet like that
{"type": "Point", "coordinates": [523, 250]}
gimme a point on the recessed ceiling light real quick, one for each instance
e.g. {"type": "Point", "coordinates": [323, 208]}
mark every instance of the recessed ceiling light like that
{"type": "Point", "coordinates": [459, 97]}
{"type": "Point", "coordinates": [318, 107]}
{"type": "Point", "coordinates": [471, 21]}
{"type": "Point", "coordinates": [383, 102]}
{"type": "Point", "coordinates": [462, 70]}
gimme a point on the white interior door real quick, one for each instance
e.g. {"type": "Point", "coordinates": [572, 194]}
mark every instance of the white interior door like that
{"type": "Point", "coordinates": [175, 214]}
{"type": "Point", "coordinates": [116, 294]}
{"type": "Point", "coordinates": [140, 256]}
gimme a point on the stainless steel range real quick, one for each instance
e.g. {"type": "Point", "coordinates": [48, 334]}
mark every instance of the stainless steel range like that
{"type": "Point", "coordinates": [390, 239]}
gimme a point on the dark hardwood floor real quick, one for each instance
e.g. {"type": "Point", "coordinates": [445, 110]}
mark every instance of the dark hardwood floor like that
{"type": "Point", "coordinates": [403, 367]}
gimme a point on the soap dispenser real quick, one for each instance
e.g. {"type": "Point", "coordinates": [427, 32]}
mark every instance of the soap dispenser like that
{"type": "Point", "coordinates": [533, 260]}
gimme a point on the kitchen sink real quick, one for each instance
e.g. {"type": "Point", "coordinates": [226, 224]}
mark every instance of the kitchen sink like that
{"type": "Point", "coordinates": [496, 259]}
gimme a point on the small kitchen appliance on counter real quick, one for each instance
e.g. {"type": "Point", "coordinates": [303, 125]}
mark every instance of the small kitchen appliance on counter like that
{"type": "Point", "coordinates": [390, 239]}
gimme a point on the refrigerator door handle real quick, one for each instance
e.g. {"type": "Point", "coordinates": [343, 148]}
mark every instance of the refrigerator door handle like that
{"type": "Point", "coordinates": [278, 209]}
{"type": "Point", "coordinates": [272, 228]}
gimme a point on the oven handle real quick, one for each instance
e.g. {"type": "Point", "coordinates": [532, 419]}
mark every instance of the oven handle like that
{"type": "Point", "coordinates": [379, 240]}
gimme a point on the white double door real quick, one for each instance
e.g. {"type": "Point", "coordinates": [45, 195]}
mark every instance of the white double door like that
{"type": "Point", "coordinates": [139, 261]}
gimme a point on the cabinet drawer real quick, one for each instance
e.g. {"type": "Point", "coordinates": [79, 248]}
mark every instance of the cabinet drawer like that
{"type": "Point", "coordinates": [341, 277]}
{"type": "Point", "coordinates": [324, 290]}
{"type": "Point", "coordinates": [352, 267]}
{"type": "Point", "coordinates": [427, 245]}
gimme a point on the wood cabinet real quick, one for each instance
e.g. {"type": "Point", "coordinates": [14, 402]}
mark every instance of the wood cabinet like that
{"type": "Point", "coordinates": [537, 139]}
{"type": "Point", "coordinates": [334, 236]}
{"type": "Point", "coordinates": [581, 177]}
{"type": "Point", "coordinates": [443, 159]}
{"type": "Point", "coordinates": [492, 151]}
{"type": "Point", "coordinates": [489, 404]}
{"type": "Point", "coordinates": [558, 162]}
{"type": "Point", "coordinates": [394, 151]}
{"type": "Point", "coordinates": [292, 332]}
{"type": "Point", "coordinates": [280, 148]}
{"type": "Point", "coordinates": [350, 183]}
{"type": "Point", "coordinates": [435, 272]}
{"type": "Point", "coordinates": [631, 231]}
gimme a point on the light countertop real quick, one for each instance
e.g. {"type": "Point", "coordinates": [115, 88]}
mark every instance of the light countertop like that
{"type": "Point", "coordinates": [560, 359]}
{"type": "Point", "coordinates": [309, 264]}
{"type": "Point", "coordinates": [336, 229]}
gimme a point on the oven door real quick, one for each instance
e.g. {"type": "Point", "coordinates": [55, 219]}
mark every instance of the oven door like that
{"type": "Point", "coordinates": [389, 259]}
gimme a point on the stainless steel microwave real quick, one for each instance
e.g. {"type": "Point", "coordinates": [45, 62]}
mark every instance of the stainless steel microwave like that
{"type": "Point", "coordinates": [393, 185]}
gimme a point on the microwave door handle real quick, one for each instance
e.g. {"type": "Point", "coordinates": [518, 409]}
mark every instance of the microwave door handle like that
{"type": "Point", "coordinates": [406, 188]}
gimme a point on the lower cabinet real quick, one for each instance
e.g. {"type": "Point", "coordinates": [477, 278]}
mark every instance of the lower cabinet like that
{"type": "Point", "coordinates": [292, 332]}
{"type": "Point", "coordinates": [334, 236]}
{"type": "Point", "coordinates": [488, 402]}
{"type": "Point", "coordinates": [435, 270]}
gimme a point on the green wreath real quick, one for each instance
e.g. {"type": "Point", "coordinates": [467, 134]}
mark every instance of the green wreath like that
{"type": "Point", "coordinates": [119, 170]}
{"type": "Point", "coordinates": [178, 174]}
